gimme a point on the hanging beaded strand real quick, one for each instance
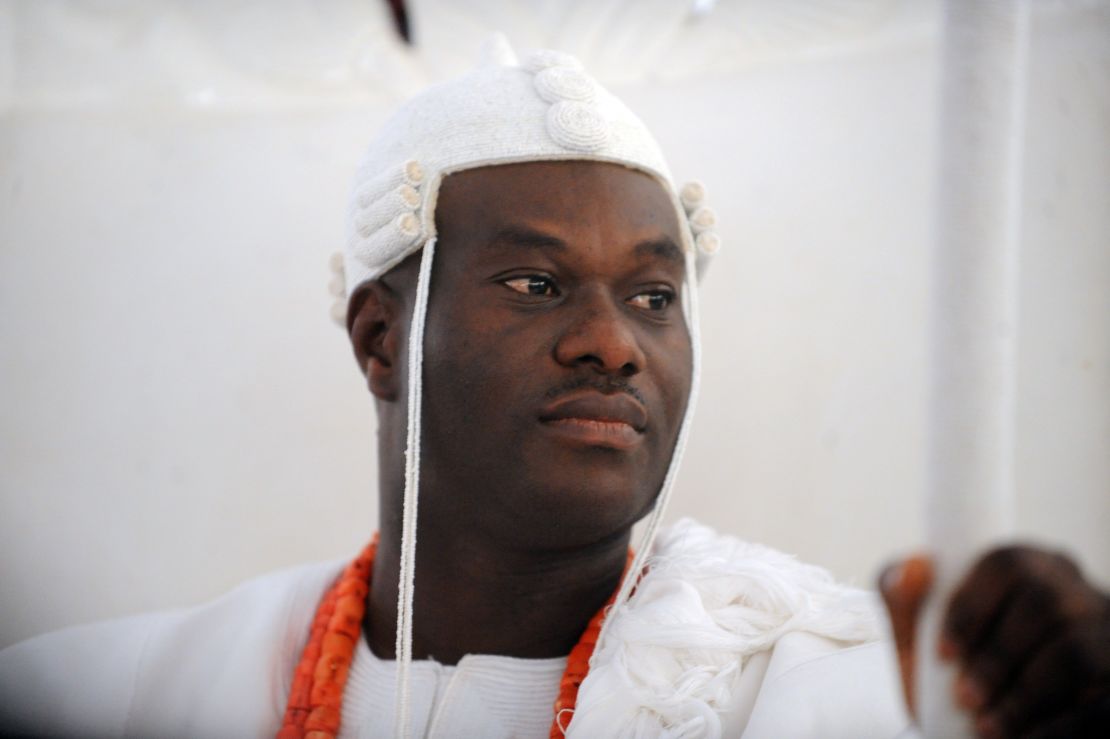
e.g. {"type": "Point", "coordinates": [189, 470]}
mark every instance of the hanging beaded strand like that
{"type": "Point", "coordinates": [316, 698]}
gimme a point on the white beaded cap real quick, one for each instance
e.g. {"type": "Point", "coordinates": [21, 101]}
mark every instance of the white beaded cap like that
{"type": "Point", "coordinates": [543, 108]}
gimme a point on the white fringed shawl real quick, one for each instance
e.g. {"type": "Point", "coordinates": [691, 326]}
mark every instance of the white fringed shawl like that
{"type": "Point", "coordinates": [674, 653]}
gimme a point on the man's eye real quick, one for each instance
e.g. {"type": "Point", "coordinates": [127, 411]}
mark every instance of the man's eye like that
{"type": "Point", "coordinates": [653, 300]}
{"type": "Point", "coordinates": [533, 285]}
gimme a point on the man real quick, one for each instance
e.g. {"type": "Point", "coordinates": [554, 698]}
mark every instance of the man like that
{"type": "Point", "coordinates": [523, 305]}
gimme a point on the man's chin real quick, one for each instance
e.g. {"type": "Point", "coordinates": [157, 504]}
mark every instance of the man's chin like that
{"type": "Point", "coordinates": [592, 507]}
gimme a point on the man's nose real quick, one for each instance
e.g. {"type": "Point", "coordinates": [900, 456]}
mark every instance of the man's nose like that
{"type": "Point", "coordinates": [601, 336]}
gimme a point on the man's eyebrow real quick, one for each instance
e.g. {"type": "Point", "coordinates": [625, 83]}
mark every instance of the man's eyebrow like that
{"type": "Point", "coordinates": [662, 247]}
{"type": "Point", "coordinates": [529, 238]}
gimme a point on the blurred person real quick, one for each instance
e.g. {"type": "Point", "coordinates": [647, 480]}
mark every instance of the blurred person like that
{"type": "Point", "coordinates": [519, 289]}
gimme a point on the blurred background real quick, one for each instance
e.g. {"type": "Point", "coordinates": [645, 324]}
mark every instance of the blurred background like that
{"type": "Point", "coordinates": [178, 413]}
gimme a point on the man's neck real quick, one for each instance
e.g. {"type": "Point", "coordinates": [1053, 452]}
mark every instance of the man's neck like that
{"type": "Point", "coordinates": [475, 597]}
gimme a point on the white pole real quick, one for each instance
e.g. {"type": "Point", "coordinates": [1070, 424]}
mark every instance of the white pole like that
{"type": "Point", "coordinates": [974, 313]}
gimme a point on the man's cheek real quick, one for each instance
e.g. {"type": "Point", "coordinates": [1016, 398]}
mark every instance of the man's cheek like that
{"type": "Point", "coordinates": [673, 378]}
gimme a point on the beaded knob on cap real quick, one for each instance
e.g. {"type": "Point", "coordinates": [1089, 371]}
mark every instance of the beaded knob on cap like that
{"type": "Point", "coordinates": [702, 220]}
{"type": "Point", "coordinates": [573, 121]}
{"type": "Point", "coordinates": [565, 83]}
{"type": "Point", "coordinates": [337, 287]}
{"type": "Point", "coordinates": [541, 59]}
{"type": "Point", "coordinates": [577, 126]}
{"type": "Point", "coordinates": [708, 242]}
{"type": "Point", "coordinates": [692, 195]}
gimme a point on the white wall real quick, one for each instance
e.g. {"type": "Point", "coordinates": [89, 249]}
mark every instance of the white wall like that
{"type": "Point", "coordinates": [177, 413]}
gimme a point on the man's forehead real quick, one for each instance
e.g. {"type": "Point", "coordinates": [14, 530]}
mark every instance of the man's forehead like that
{"type": "Point", "coordinates": [517, 236]}
{"type": "Point", "coordinates": [547, 202]}
{"type": "Point", "coordinates": [535, 176]}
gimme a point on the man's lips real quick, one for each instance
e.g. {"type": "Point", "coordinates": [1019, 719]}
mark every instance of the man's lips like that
{"type": "Point", "coordinates": [595, 419]}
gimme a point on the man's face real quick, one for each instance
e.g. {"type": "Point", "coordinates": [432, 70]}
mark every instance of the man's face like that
{"type": "Point", "coordinates": [557, 359]}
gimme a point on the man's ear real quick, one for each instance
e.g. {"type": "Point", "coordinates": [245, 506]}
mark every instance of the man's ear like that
{"type": "Point", "coordinates": [372, 322]}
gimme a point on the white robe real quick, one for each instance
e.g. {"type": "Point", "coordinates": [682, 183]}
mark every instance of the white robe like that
{"type": "Point", "coordinates": [722, 638]}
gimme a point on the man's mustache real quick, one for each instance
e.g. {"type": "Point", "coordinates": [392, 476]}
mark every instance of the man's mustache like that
{"type": "Point", "coordinates": [606, 386]}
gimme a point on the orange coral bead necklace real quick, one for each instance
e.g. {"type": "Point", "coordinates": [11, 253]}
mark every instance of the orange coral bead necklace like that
{"type": "Point", "coordinates": [315, 701]}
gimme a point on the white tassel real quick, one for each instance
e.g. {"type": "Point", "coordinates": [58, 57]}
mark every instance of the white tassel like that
{"type": "Point", "coordinates": [403, 647]}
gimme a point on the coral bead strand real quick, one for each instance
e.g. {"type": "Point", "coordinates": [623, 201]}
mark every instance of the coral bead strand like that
{"type": "Point", "coordinates": [315, 701]}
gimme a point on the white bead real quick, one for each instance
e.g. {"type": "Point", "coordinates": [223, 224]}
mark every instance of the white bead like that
{"type": "Point", "coordinates": [703, 219]}
{"type": "Point", "coordinates": [708, 242]}
{"type": "Point", "coordinates": [339, 312]}
{"type": "Point", "coordinates": [408, 224]}
{"type": "Point", "coordinates": [337, 286]}
{"type": "Point", "coordinates": [413, 172]}
{"type": "Point", "coordinates": [409, 196]}
{"type": "Point", "coordinates": [692, 195]}
{"type": "Point", "coordinates": [335, 262]}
